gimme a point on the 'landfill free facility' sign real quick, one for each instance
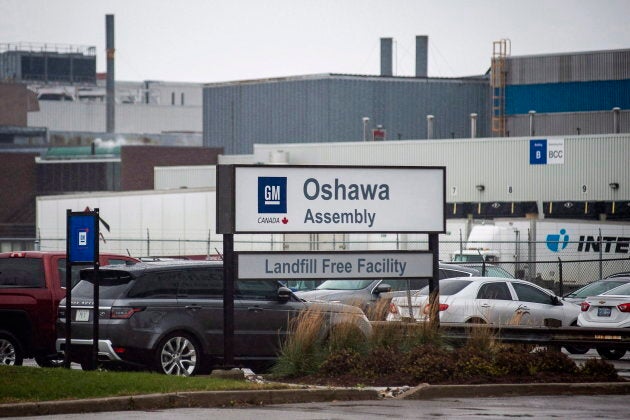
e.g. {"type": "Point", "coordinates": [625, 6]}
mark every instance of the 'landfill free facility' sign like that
{"type": "Point", "coordinates": [334, 265]}
{"type": "Point", "coordinates": [338, 199]}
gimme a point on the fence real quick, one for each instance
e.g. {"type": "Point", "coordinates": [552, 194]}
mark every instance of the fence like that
{"type": "Point", "coordinates": [529, 260]}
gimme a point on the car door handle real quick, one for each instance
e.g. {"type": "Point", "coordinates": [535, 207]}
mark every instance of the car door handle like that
{"type": "Point", "coordinates": [255, 309]}
{"type": "Point", "coordinates": [522, 308]}
{"type": "Point", "coordinates": [485, 305]}
{"type": "Point", "coordinates": [193, 307]}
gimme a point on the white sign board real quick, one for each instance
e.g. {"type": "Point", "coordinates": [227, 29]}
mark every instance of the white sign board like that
{"type": "Point", "coordinates": [334, 265]}
{"type": "Point", "coordinates": [339, 199]}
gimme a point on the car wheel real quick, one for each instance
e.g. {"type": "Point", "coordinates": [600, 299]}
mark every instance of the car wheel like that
{"type": "Point", "coordinates": [611, 354]}
{"type": "Point", "coordinates": [49, 362]}
{"type": "Point", "coordinates": [178, 354]}
{"type": "Point", "coordinates": [577, 349]}
{"type": "Point", "coordinates": [10, 350]}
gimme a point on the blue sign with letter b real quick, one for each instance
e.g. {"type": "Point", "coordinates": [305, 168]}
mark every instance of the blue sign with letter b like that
{"type": "Point", "coordinates": [538, 152]}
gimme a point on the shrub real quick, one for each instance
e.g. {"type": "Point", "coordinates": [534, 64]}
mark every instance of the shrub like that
{"type": "Point", "coordinates": [472, 363]}
{"type": "Point", "coordinates": [599, 370]}
{"type": "Point", "coordinates": [551, 361]}
{"type": "Point", "coordinates": [429, 363]}
{"type": "Point", "coordinates": [513, 361]}
{"type": "Point", "coordinates": [380, 361]}
{"type": "Point", "coordinates": [340, 361]}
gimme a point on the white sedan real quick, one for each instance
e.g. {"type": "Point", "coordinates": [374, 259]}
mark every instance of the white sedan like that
{"type": "Point", "coordinates": [608, 310]}
{"type": "Point", "coordinates": [488, 300]}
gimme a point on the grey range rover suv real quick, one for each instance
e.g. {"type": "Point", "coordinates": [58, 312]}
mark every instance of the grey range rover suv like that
{"type": "Point", "coordinates": [169, 316]}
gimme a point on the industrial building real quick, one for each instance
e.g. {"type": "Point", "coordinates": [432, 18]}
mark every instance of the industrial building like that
{"type": "Point", "coordinates": [560, 94]}
{"type": "Point", "coordinates": [483, 128]}
{"type": "Point", "coordinates": [335, 107]}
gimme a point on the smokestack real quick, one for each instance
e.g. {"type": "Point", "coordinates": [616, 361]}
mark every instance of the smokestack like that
{"type": "Point", "coordinates": [386, 57]}
{"type": "Point", "coordinates": [110, 86]}
{"type": "Point", "coordinates": [422, 55]}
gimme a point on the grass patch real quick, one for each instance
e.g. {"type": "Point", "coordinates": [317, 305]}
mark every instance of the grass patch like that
{"type": "Point", "coordinates": [23, 384]}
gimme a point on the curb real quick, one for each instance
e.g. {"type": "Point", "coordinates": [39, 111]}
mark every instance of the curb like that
{"type": "Point", "coordinates": [212, 399]}
{"type": "Point", "coordinates": [201, 399]}
{"type": "Point", "coordinates": [426, 391]}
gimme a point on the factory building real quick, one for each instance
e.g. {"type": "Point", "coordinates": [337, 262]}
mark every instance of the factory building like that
{"type": "Point", "coordinates": [560, 94]}
{"type": "Point", "coordinates": [543, 95]}
{"type": "Point", "coordinates": [335, 107]}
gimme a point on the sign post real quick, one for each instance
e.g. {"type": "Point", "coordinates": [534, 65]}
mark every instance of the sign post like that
{"type": "Point", "coordinates": [338, 199]}
{"type": "Point", "coordinates": [82, 232]}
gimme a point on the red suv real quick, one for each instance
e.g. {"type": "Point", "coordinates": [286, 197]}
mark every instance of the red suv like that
{"type": "Point", "coordinates": [31, 285]}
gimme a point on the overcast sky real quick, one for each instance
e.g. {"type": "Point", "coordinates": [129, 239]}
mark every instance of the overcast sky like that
{"type": "Point", "coordinates": [213, 41]}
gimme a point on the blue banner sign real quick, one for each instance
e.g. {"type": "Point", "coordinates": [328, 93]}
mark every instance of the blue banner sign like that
{"type": "Point", "coordinates": [82, 237]}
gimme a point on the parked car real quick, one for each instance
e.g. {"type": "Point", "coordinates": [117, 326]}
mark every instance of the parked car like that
{"type": "Point", "coordinates": [610, 309]}
{"type": "Point", "coordinates": [373, 294]}
{"type": "Point", "coordinates": [31, 285]}
{"type": "Point", "coordinates": [488, 300]}
{"type": "Point", "coordinates": [595, 288]}
{"type": "Point", "coordinates": [489, 270]}
{"type": "Point", "coordinates": [169, 316]}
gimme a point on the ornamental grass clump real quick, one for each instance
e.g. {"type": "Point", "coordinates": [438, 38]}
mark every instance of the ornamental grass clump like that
{"type": "Point", "coordinates": [302, 352]}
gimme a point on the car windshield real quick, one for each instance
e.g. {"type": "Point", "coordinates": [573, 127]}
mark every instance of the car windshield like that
{"type": "Point", "coordinates": [492, 271]}
{"type": "Point", "coordinates": [448, 287]}
{"type": "Point", "coordinates": [344, 285]}
{"type": "Point", "coordinates": [467, 258]}
{"type": "Point", "coordinates": [111, 285]}
{"type": "Point", "coordinates": [596, 288]}
{"type": "Point", "coordinates": [621, 290]}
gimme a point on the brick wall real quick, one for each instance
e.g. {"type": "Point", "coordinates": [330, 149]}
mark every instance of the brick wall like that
{"type": "Point", "coordinates": [137, 162]}
{"type": "Point", "coordinates": [15, 101]}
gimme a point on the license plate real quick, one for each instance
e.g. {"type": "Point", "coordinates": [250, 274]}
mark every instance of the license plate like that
{"type": "Point", "coordinates": [82, 315]}
{"type": "Point", "coordinates": [603, 311]}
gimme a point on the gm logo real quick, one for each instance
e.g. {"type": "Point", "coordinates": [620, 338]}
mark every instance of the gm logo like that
{"type": "Point", "coordinates": [272, 194]}
{"type": "Point", "coordinates": [558, 242]}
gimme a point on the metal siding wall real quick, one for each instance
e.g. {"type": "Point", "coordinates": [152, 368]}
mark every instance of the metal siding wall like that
{"type": "Point", "coordinates": [568, 97]}
{"type": "Point", "coordinates": [594, 161]}
{"type": "Point", "coordinates": [76, 116]}
{"type": "Point", "coordinates": [167, 178]}
{"type": "Point", "coordinates": [331, 108]}
{"type": "Point", "coordinates": [568, 123]}
{"type": "Point", "coordinates": [579, 67]}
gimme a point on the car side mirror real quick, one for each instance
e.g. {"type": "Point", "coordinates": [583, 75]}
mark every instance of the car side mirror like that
{"type": "Point", "coordinates": [284, 294]}
{"type": "Point", "coordinates": [555, 301]}
{"type": "Point", "coordinates": [383, 288]}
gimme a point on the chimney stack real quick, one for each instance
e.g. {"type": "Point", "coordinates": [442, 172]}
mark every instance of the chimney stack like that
{"type": "Point", "coordinates": [110, 96]}
{"type": "Point", "coordinates": [386, 57]}
{"type": "Point", "coordinates": [422, 55]}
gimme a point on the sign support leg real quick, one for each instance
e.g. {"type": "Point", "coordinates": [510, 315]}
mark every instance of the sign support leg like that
{"type": "Point", "coordinates": [228, 301]}
{"type": "Point", "coordinates": [434, 282]}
